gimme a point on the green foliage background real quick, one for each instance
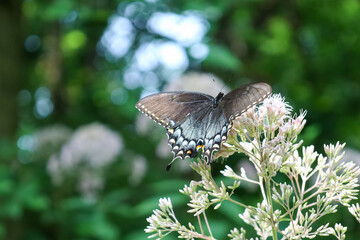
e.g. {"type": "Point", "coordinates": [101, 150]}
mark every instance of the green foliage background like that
{"type": "Point", "coordinates": [309, 51]}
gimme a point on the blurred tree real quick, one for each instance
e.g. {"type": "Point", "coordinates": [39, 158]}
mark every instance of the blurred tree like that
{"type": "Point", "coordinates": [11, 79]}
{"type": "Point", "coordinates": [11, 59]}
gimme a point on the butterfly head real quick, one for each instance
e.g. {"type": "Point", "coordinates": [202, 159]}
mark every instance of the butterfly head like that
{"type": "Point", "coordinates": [218, 99]}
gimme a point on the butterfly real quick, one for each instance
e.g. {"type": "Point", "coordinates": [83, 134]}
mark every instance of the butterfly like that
{"type": "Point", "coordinates": [196, 120]}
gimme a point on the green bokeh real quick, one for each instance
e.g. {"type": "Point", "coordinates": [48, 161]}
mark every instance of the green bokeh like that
{"type": "Point", "coordinates": [309, 51]}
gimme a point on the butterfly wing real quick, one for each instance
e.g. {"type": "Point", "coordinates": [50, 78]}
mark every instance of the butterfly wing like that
{"type": "Point", "coordinates": [170, 109]}
{"type": "Point", "coordinates": [202, 129]}
{"type": "Point", "coordinates": [185, 115]}
{"type": "Point", "coordinates": [241, 99]}
{"type": "Point", "coordinates": [233, 104]}
{"type": "Point", "coordinates": [219, 119]}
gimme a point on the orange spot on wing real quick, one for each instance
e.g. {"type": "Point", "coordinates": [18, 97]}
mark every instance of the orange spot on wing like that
{"type": "Point", "coordinates": [199, 146]}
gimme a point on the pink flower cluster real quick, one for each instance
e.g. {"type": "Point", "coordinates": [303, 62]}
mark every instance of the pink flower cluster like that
{"type": "Point", "coordinates": [270, 127]}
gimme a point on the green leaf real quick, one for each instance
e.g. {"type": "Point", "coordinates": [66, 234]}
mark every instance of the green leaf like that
{"type": "Point", "coordinates": [11, 209]}
{"type": "Point", "coordinates": [97, 226]}
{"type": "Point", "coordinates": [57, 10]}
{"type": "Point", "coordinates": [279, 40]}
{"type": "Point", "coordinates": [6, 186]}
{"type": "Point", "coordinates": [73, 41]}
{"type": "Point", "coordinates": [2, 231]}
{"type": "Point", "coordinates": [221, 57]}
{"type": "Point", "coordinates": [38, 203]}
{"type": "Point", "coordinates": [75, 203]}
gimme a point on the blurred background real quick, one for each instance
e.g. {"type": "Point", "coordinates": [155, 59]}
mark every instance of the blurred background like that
{"type": "Point", "coordinates": [77, 161]}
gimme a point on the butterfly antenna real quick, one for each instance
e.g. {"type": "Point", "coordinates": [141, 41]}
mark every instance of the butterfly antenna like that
{"type": "Point", "coordinates": [214, 81]}
{"type": "Point", "coordinates": [222, 88]}
{"type": "Point", "coordinates": [227, 80]}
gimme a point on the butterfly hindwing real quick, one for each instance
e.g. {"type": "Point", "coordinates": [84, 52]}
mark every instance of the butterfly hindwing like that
{"type": "Point", "coordinates": [187, 138]}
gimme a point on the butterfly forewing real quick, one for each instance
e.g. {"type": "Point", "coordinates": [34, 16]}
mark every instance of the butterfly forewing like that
{"type": "Point", "coordinates": [170, 109]}
{"type": "Point", "coordinates": [195, 120]}
{"type": "Point", "coordinates": [241, 99]}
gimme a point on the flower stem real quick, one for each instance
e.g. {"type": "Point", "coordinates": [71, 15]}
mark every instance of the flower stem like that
{"type": "Point", "coordinates": [207, 224]}
{"type": "Point", "coordinates": [262, 188]}
{"type": "Point", "coordinates": [269, 200]}
{"type": "Point", "coordinates": [201, 229]}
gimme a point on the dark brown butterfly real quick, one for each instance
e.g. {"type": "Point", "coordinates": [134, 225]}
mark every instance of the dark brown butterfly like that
{"type": "Point", "coordinates": [196, 120]}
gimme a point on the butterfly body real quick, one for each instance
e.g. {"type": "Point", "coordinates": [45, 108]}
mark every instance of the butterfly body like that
{"type": "Point", "coordinates": [196, 120]}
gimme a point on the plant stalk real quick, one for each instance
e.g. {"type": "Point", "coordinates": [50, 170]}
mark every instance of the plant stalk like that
{"type": "Point", "coordinates": [269, 200]}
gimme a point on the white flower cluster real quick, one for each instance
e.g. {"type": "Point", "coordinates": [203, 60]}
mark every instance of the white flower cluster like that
{"type": "Point", "coordinates": [355, 211]}
{"type": "Point", "coordinates": [236, 235]}
{"type": "Point", "coordinates": [206, 192]}
{"type": "Point", "coordinates": [89, 149]}
{"type": "Point", "coordinates": [315, 184]}
{"type": "Point", "coordinates": [50, 139]}
{"type": "Point", "coordinates": [163, 222]}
